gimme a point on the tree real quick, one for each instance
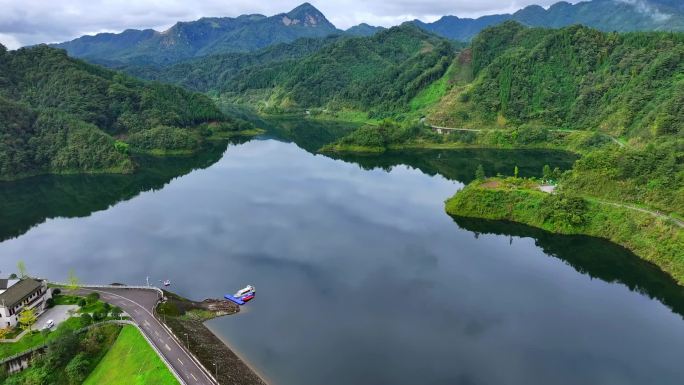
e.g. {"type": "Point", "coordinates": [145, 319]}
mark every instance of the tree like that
{"type": "Point", "coordinates": [546, 172]}
{"type": "Point", "coordinates": [73, 280]}
{"type": "Point", "coordinates": [4, 332]}
{"type": "Point", "coordinates": [92, 298]}
{"type": "Point", "coordinates": [480, 173]}
{"type": "Point", "coordinates": [27, 318]}
{"type": "Point", "coordinates": [50, 303]}
{"type": "Point", "coordinates": [13, 276]}
{"type": "Point", "coordinates": [116, 312]}
{"type": "Point", "coordinates": [86, 319]}
{"type": "Point", "coordinates": [77, 369]}
{"type": "Point", "coordinates": [21, 266]}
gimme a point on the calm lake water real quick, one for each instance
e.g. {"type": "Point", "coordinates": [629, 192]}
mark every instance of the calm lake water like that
{"type": "Point", "coordinates": [362, 278]}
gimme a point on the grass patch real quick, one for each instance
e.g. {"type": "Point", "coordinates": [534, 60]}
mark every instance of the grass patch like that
{"type": "Point", "coordinates": [131, 361]}
{"type": "Point", "coordinates": [37, 338]}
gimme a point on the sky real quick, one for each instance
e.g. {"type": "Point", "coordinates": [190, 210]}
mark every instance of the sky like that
{"type": "Point", "coordinates": [27, 22]}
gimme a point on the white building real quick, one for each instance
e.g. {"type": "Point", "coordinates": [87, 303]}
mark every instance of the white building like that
{"type": "Point", "coordinates": [17, 294]}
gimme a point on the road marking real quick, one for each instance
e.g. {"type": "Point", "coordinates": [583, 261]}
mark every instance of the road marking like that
{"type": "Point", "coordinates": [179, 360]}
{"type": "Point", "coordinates": [157, 333]}
{"type": "Point", "coordinates": [167, 347]}
{"type": "Point", "coordinates": [193, 376]}
{"type": "Point", "coordinates": [158, 322]}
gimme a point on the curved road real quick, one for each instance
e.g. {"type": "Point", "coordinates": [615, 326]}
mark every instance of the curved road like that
{"type": "Point", "coordinates": [139, 304]}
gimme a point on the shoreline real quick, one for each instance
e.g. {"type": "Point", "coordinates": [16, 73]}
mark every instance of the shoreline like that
{"type": "Point", "coordinates": [653, 239]}
{"type": "Point", "coordinates": [188, 318]}
{"type": "Point", "coordinates": [237, 353]}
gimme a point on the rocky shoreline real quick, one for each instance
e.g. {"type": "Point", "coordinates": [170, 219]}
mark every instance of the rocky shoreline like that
{"type": "Point", "coordinates": [186, 319]}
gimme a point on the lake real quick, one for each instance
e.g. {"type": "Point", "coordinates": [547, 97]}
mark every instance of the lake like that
{"type": "Point", "coordinates": [362, 278]}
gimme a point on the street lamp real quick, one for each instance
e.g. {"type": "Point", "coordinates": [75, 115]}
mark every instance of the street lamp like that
{"type": "Point", "coordinates": [216, 366]}
{"type": "Point", "coordinates": [187, 341]}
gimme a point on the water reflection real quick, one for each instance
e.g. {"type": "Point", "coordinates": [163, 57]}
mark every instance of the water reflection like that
{"type": "Point", "coordinates": [28, 202]}
{"type": "Point", "coordinates": [597, 258]}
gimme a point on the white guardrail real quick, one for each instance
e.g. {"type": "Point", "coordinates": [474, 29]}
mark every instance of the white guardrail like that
{"type": "Point", "coordinates": [89, 286]}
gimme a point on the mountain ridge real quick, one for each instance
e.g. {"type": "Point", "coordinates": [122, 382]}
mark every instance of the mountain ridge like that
{"type": "Point", "coordinates": [202, 37]}
{"type": "Point", "coordinates": [604, 15]}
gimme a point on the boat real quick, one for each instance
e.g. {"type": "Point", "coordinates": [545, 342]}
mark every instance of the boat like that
{"type": "Point", "coordinates": [167, 283]}
{"type": "Point", "coordinates": [243, 295]}
{"type": "Point", "coordinates": [246, 290]}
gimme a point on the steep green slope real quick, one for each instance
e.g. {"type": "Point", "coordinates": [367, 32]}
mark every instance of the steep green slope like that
{"type": "Point", "coordinates": [61, 115]}
{"type": "Point", "coordinates": [628, 85]}
{"type": "Point", "coordinates": [380, 74]}
{"type": "Point", "coordinates": [203, 37]}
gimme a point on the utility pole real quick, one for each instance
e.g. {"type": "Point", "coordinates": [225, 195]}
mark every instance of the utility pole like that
{"type": "Point", "coordinates": [148, 280]}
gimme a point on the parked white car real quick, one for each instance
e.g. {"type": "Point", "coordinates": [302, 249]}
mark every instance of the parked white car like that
{"type": "Point", "coordinates": [49, 324]}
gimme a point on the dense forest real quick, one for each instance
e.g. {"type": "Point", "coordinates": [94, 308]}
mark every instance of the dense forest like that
{"type": "Point", "coordinates": [379, 74]}
{"type": "Point", "coordinates": [523, 84]}
{"type": "Point", "coordinates": [61, 115]}
{"type": "Point", "coordinates": [216, 73]}
{"type": "Point", "coordinates": [627, 85]}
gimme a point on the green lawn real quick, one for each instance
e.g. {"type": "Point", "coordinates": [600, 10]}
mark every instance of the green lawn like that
{"type": "Point", "coordinates": [131, 361]}
{"type": "Point", "coordinates": [37, 338]}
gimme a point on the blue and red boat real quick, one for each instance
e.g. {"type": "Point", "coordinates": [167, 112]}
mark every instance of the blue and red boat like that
{"type": "Point", "coordinates": [243, 295]}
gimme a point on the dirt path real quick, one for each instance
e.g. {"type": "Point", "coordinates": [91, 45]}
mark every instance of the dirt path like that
{"type": "Point", "coordinates": [654, 213]}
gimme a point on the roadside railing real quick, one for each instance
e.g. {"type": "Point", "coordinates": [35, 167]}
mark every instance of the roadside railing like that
{"type": "Point", "coordinates": [98, 286]}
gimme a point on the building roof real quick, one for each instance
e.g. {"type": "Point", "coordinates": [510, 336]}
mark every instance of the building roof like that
{"type": "Point", "coordinates": [19, 291]}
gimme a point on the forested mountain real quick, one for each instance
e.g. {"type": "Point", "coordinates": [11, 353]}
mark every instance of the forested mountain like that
{"type": "Point", "coordinates": [628, 85]}
{"type": "Point", "coordinates": [379, 74]}
{"type": "Point", "coordinates": [216, 73]}
{"type": "Point", "coordinates": [364, 29]}
{"type": "Point", "coordinates": [203, 37]}
{"type": "Point", "coordinates": [59, 114]}
{"type": "Point", "coordinates": [605, 15]}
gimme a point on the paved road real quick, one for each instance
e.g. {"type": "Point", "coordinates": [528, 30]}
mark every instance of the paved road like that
{"type": "Point", "coordinates": [139, 304]}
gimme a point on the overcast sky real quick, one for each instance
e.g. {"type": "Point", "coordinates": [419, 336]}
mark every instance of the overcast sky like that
{"type": "Point", "coordinates": [24, 22]}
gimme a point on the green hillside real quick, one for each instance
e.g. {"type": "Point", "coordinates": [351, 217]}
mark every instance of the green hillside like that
{"type": "Point", "coordinates": [61, 115]}
{"type": "Point", "coordinates": [627, 85]}
{"type": "Point", "coordinates": [379, 74]}
{"type": "Point", "coordinates": [216, 73]}
{"type": "Point", "coordinates": [574, 88]}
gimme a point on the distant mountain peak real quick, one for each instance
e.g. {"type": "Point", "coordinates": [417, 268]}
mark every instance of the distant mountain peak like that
{"type": "Point", "coordinates": [305, 14]}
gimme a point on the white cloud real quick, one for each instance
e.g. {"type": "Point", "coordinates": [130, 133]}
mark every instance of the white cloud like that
{"type": "Point", "coordinates": [25, 22]}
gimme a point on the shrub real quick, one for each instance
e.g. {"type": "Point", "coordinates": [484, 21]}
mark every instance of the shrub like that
{"type": "Point", "coordinates": [564, 210]}
{"type": "Point", "coordinates": [86, 319]}
{"type": "Point", "coordinates": [92, 298]}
